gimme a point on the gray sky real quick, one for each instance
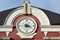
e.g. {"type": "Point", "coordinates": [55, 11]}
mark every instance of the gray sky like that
{"type": "Point", "coordinates": [52, 5]}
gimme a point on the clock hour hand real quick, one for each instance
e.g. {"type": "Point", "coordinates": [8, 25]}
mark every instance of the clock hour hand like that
{"type": "Point", "coordinates": [26, 25]}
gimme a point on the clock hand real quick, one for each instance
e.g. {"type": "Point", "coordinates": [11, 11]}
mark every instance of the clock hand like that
{"type": "Point", "coordinates": [26, 25]}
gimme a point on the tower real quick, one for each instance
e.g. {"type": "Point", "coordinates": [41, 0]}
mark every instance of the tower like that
{"type": "Point", "coordinates": [24, 22]}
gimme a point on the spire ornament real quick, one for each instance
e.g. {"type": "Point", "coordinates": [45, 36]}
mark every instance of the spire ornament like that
{"type": "Point", "coordinates": [27, 8]}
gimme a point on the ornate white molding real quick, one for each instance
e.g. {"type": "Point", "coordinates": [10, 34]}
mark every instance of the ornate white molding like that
{"type": "Point", "coordinates": [12, 15]}
{"type": "Point", "coordinates": [26, 36]}
{"type": "Point", "coordinates": [51, 38]}
{"type": "Point", "coordinates": [50, 28]}
{"type": "Point", "coordinates": [6, 28]}
{"type": "Point", "coordinates": [4, 38]}
{"type": "Point", "coordinates": [35, 11]}
{"type": "Point", "coordinates": [44, 20]}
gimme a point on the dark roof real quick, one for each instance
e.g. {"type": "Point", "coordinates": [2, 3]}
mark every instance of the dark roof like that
{"type": "Point", "coordinates": [53, 17]}
{"type": "Point", "coordinates": [3, 15]}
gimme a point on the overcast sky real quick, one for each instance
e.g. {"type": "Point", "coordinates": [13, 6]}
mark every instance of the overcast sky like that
{"type": "Point", "coordinates": [52, 5]}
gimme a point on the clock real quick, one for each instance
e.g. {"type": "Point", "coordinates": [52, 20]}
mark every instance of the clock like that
{"type": "Point", "coordinates": [26, 25]}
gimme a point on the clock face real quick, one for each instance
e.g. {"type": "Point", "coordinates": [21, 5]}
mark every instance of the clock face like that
{"type": "Point", "coordinates": [26, 25]}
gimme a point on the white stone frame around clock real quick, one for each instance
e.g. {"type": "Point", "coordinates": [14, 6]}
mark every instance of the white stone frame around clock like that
{"type": "Point", "coordinates": [32, 20]}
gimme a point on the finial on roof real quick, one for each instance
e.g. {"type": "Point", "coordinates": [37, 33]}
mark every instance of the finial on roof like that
{"type": "Point", "coordinates": [26, 1]}
{"type": "Point", "coordinates": [27, 8]}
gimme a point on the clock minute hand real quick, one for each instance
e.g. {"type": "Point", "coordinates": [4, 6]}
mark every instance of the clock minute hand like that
{"type": "Point", "coordinates": [27, 9]}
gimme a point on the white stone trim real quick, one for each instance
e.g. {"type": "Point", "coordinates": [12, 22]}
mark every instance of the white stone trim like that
{"type": "Point", "coordinates": [50, 28]}
{"type": "Point", "coordinates": [12, 15]}
{"type": "Point", "coordinates": [35, 11]}
{"type": "Point", "coordinates": [51, 38]}
{"type": "Point", "coordinates": [4, 38]}
{"type": "Point", "coordinates": [6, 29]}
{"type": "Point", "coordinates": [26, 36]}
{"type": "Point", "coordinates": [41, 16]}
